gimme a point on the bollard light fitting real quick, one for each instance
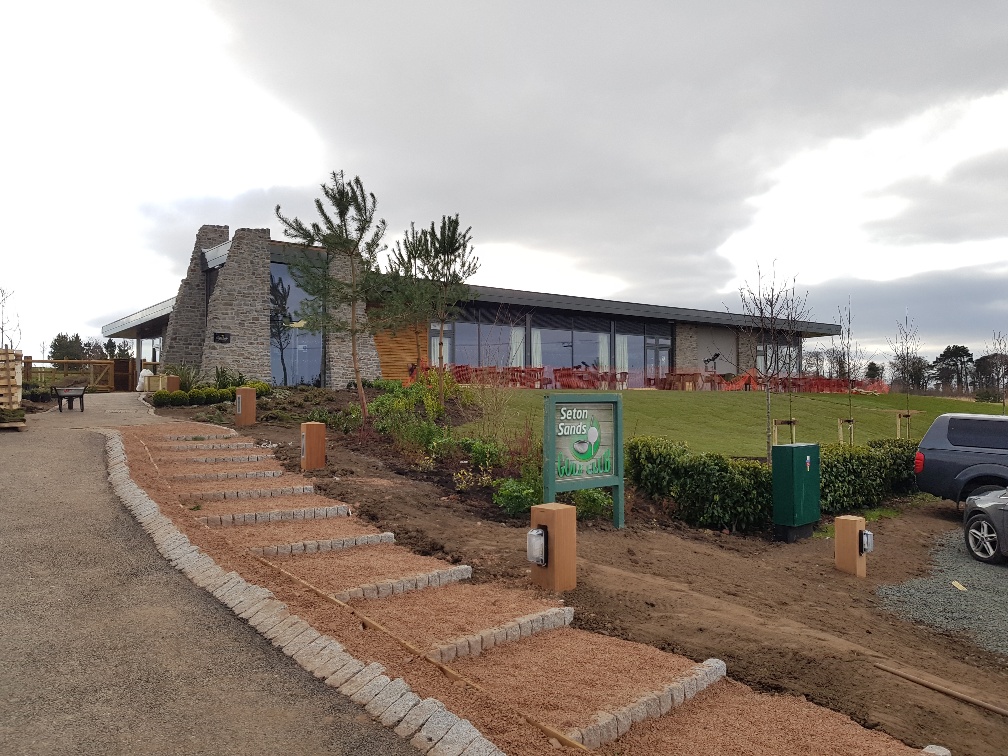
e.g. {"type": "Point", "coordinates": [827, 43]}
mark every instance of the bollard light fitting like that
{"type": "Point", "coordinates": [866, 542]}
{"type": "Point", "coordinates": [535, 546]}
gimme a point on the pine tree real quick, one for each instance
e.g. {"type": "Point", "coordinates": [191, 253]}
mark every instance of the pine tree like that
{"type": "Point", "coordinates": [351, 236]}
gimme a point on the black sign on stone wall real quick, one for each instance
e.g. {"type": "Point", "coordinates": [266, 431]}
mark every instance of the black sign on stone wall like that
{"type": "Point", "coordinates": [222, 338]}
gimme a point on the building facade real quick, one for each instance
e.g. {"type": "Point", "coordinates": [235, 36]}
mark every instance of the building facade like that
{"type": "Point", "coordinates": [237, 308]}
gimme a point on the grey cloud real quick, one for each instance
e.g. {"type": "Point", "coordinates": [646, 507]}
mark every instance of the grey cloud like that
{"type": "Point", "coordinates": [970, 203]}
{"type": "Point", "coordinates": [626, 136]}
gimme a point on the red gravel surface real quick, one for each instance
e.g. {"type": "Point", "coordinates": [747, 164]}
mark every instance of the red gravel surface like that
{"type": "Point", "coordinates": [279, 533]}
{"type": "Point", "coordinates": [431, 618]}
{"type": "Point", "coordinates": [336, 571]}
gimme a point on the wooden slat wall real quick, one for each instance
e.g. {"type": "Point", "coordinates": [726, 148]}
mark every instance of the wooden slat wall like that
{"type": "Point", "coordinates": [398, 352]}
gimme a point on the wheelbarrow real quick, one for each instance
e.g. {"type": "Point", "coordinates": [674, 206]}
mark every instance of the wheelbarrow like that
{"type": "Point", "coordinates": [69, 393]}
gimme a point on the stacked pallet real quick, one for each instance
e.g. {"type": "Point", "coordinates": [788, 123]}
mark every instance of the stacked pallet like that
{"type": "Point", "coordinates": [11, 414]}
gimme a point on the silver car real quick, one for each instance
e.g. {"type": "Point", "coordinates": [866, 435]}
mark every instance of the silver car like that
{"type": "Point", "coordinates": [986, 526]}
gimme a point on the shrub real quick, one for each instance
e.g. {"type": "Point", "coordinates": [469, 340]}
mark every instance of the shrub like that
{"type": "Point", "coordinates": [487, 454]}
{"type": "Point", "coordinates": [386, 385]}
{"type": "Point", "coordinates": [197, 396]}
{"type": "Point", "coordinates": [592, 503]}
{"type": "Point", "coordinates": [232, 393]}
{"type": "Point", "coordinates": [516, 497]}
{"type": "Point", "coordinates": [261, 388]}
{"type": "Point", "coordinates": [225, 378]}
{"type": "Point", "coordinates": [988, 395]}
{"type": "Point", "coordinates": [160, 398]}
{"type": "Point", "coordinates": [714, 491]}
{"type": "Point", "coordinates": [216, 396]}
{"type": "Point", "coordinates": [853, 477]}
{"type": "Point", "coordinates": [189, 375]}
{"type": "Point", "coordinates": [898, 462]}
{"type": "Point", "coordinates": [178, 398]}
{"type": "Point", "coordinates": [651, 462]}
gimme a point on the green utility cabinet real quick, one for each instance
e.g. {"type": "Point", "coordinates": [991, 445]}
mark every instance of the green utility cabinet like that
{"type": "Point", "coordinates": [795, 490]}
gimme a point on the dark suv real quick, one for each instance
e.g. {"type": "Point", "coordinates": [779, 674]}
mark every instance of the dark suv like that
{"type": "Point", "coordinates": [963, 455]}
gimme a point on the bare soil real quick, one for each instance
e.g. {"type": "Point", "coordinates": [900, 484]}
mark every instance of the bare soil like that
{"type": "Point", "coordinates": [780, 616]}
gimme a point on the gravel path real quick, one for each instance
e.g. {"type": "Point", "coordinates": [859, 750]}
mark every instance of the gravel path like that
{"type": "Point", "coordinates": [981, 610]}
{"type": "Point", "coordinates": [104, 648]}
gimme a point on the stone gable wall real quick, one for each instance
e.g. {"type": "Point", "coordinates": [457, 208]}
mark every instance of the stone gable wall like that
{"type": "Point", "coordinates": [183, 339]}
{"type": "Point", "coordinates": [239, 305]}
{"type": "Point", "coordinates": [685, 347]}
{"type": "Point", "coordinates": [339, 358]}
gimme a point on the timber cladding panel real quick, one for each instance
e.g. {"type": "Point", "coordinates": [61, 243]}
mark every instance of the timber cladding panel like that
{"type": "Point", "coordinates": [398, 351]}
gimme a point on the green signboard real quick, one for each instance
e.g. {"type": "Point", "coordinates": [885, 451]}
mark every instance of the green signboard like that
{"type": "Point", "coordinates": [583, 446]}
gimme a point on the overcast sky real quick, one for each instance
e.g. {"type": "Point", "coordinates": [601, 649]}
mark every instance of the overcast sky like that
{"type": "Point", "coordinates": [649, 152]}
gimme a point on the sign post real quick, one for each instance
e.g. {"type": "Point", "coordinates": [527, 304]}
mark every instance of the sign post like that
{"type": "Point", "coordinates": [583, 446]}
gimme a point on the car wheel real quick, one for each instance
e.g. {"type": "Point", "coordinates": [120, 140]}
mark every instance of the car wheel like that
{"type": "Point", "coordinates": [982, 540]}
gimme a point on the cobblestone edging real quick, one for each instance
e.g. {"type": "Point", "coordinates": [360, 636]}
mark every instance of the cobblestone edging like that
{"type": "Point", "coordinates": [199, 445]}
{"type": "Point", "coordinates": [253, 493]}
{"type": "Point", "coordinates": [249, 458]}
{"type": "Point", "coordinates": [522, 627]}
{"type": "Point", "coordinates": [193, 436]}
{"type": "Point", "coordinates": [276, 515]}
{"type": "Point", "coordinates": [388, 588]}
{"type": "Point", "coordinates": [229, 475]}
{"type": "Point", "coordinates": [314, 547]}
{"type": "Point", "coordinates": [607, 726]}
{"type": "Point", "coordinates": [426, 723]}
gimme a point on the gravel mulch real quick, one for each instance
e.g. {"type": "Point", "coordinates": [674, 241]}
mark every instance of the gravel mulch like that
{"type": "Point", "coordinates": [981, 610]}
{"type": "Point", "coordinates": [730, 718]}
{"type": "Point", "coordinates": [431, 618]}
{"type": "Point", "coordinates": [337, 571]}
{"type": "Point", "coordinates": [565, 676]}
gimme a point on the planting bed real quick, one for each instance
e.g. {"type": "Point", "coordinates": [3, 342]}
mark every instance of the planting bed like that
{"type": "Point", "coordinates": [430, 618]}
{"type": "Point", "coordinates": [773, 725]}
{"type": "Point", "coordinates": [276, 533]}
{"type": "Point", "coordinates": [780, 616]}
{"type": "Point", "coordinates": [337, 571]}
{"type": "Point", "coordinates": [568, 675]}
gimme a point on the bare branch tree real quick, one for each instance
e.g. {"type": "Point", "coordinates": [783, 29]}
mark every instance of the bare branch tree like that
{"type": "Point", "coordinates": [10, 332]}
{"type": "Point", "coordinates": [772, 315]}
{"type": "Point", "coordinates": [905, 349]}
{"type": "Point", "coordinates": [851, 357]}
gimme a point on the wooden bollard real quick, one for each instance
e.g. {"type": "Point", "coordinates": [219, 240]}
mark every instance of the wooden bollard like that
{"type": "Point", "coordinates": [560, 572]}
{"type": "Point", "coordinates": [847, 556]}
{"type": "Point", "coordinates": [312, 446]}
{"type": "Point", "coordinates": [245, 406]}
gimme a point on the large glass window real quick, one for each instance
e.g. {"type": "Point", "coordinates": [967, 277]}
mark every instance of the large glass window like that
{"type": "Point", "coordinates": [552, 347]}
{"type": "Point", "coordinates": [502, 345]}
{"type": "Point", "coordinates": [591, 350]}
{"type": "Point", "coordinates": [629, 365]}
{"type": "Point", "coordinates": [466, 344]}
{"type": "Point", "coordinates": [295, 352]}
{"type": "Point", "coordinates": [439, 340]}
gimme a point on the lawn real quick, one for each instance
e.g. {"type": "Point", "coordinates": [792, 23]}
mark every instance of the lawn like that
{"type": "Point", "coordinates": [734, 422]}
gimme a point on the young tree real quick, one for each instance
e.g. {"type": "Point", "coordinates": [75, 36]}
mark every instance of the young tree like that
{"type": "Point", "coordinates": [10, 330]}
{"type": "Point", "coordinates": [851, 356]}
{"type": "Point", "coordinates": [907, 366]}
{"type": "Point", "coordinates": [280, 332]}
{"type": "Point", "coordinates": [447, 260]}
{"type": "Point", "coordinates": [771, 309]}
{"type": "Point", "coordinates": [407, 298]}
{"type": "Point", "coordinates": [349, 237]}
{"type": "Point", "coordinates": [874, 371]}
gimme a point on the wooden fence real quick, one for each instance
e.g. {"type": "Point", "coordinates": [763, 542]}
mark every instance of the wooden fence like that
{"type": "Point", "coordinates": [101, 375]}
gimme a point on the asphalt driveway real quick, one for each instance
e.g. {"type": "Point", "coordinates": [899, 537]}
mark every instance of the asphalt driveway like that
{"type": "Point", "coordinates": [105, 648]}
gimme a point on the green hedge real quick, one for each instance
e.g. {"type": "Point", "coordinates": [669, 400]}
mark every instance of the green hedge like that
{"type": "Point", "coordinates": [714, 491]}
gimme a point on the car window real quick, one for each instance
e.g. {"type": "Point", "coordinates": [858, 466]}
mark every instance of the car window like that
{"type": "Point", "coordinates": [986, 434]}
